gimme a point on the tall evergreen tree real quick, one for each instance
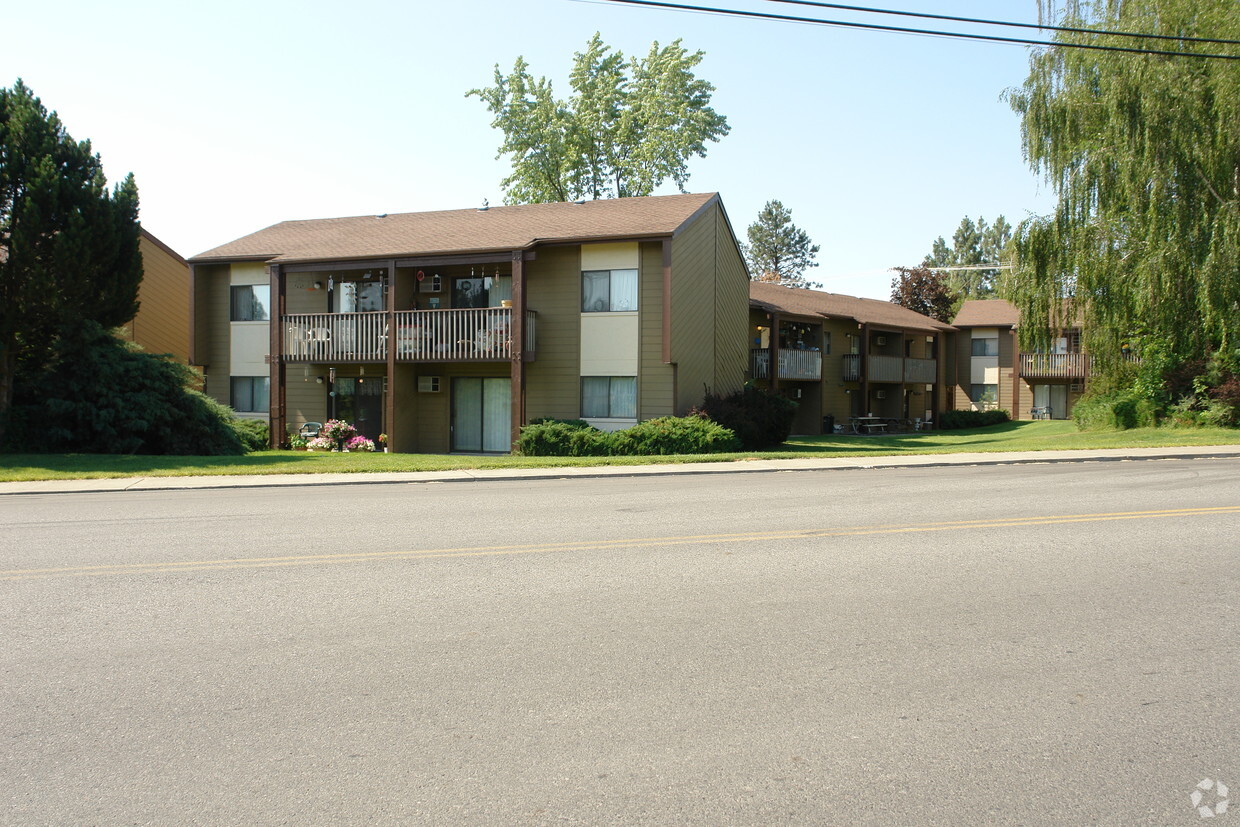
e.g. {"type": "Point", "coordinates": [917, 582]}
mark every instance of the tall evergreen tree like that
{"type": "Point", "coordinates": [778, 250]}
{"type": "Point", "coordinates": [68, 245]}
{"type": "Point", "coordinates": [972, 246]}
{"type": "Point", "coordinates": [629, 126]}
{"type": "Point", "coordinates": [1144, 156]}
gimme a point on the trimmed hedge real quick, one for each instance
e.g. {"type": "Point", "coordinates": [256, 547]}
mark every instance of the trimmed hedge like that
{"type": "Point", "coordinates": [958, 420]}
{"type": "Point", "coordinates": [759, 419]}
{"type": "Point", "coordinates": [666, 435]}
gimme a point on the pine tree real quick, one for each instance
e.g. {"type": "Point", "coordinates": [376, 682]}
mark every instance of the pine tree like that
{"type": "Point", "coordinates": [778, 250]}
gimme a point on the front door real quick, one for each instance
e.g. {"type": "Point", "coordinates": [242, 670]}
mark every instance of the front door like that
{"type": "Point", "coordinates": [482, 414]}
{"type": "Point", "coordinates": [359, 401]}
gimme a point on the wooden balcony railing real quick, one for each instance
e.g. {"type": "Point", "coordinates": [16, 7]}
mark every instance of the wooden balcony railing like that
{"type": "Point", "coordinates": [803, 365]}
{"type": "Point", "coordinates": [852, 367]}
{"type": "Point", "coordinates": [1055, 365]}
{"type": "Point", "coordinates": [921, 371]}
{"type": "Point", "coordinates": [463, 335]}
{"type": "Point", "coordinates": [884, 369]}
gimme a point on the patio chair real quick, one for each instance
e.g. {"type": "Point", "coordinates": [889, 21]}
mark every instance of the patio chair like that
{"type": "Point", "coordinates": [310, 430]}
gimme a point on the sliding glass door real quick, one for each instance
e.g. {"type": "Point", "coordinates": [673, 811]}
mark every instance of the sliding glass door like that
{"type": "Point", "coordinates": [481, 414]}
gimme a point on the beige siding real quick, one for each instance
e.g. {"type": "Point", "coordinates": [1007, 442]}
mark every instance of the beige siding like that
{"type": "Point", "coordinates": [305, 398]}
{"type": "Point", "coordinates": [694, 304]}
{"type": "Point", "coordinates": [162, 323]}
{"type": "Point", "coordinates": [553, 289]}
{"type": "Point", "coordinates": [835, 399]}
{"type": "Point", "coordinates": [657, 379]}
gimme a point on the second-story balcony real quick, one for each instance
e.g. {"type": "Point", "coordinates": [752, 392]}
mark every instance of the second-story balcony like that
{"type": "Point", "coordinates": [802, 365]}
{"type": "Point", "coordinates": [1055, 365]}
{"type": "Point", "coordinates": [463, 335]}
{"type": "Point", "coordinates": [890, 369]}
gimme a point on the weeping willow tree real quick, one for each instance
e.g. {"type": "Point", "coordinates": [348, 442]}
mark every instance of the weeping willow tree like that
{"type": "Point", "coordinates": [1143, 152]}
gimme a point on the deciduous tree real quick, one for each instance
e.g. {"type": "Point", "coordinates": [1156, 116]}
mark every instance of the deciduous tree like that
{"type": "Point", "coordinates": [925, 291]}
{"type": "Point", "coordinates": [778, 250]}
{"type": "Point", "coordinates": [629, 126]}
{"type": "Point", "coordinates": [1143, 153]}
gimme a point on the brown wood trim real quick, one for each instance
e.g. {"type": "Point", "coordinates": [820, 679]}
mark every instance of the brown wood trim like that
{"type": "Point", "coordinates": [667, 301]}
{"type": "Point", "coordinates": [1015, 375]}
{"type": "Point", "coordinates": [773, 368]}
{"type": "Point", "coordinates": [448, 260]}
{"type": "Point", "coordinates": [145, 234]}
{"type": "Point", "coordinates": [516, 333]}
{"type": "Point", "coordinates": [193, 314]}
{"type": "Point", "coordinates": [320, 266]}
{"type": "Point", "coordinates": [863, 367]}
{"type": "Point", "coordinates": [276, 392]}
{"type": "Point", "coordinates": [389, 400]}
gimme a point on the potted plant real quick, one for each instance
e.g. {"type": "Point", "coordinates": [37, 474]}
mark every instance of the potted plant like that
{"type": "Point", "coordinates": [383, 441]}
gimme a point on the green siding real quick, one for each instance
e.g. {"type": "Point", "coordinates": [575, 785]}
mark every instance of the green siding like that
{"type": "Point", "coordinates": [657, 379]}
{"type": "Point", "coordinates": [553, 289]}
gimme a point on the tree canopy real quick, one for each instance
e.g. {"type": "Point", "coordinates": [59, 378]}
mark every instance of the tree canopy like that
{"type": "Point", "coordinates": [972, 245]}
{"type": "Point", "coordinates": [630, 125]}
{"type": "Point", "coordinates": [1143, 153]}
{"type": "Point", "coordinates": [778, 250]}
{"type": "Point", "coordinates": [924, 291]}
{"type": "Point", "coordinates": [68, 245]}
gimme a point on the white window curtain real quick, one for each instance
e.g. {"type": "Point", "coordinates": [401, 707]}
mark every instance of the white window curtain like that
{"type": "Point", "coordinates": [623, 397]}
{"type": "Point", "coordinates": [595, 296]}
{"type": "Point", "coordinates": [623, 290]}
{"type": "Point", "coordinates": [499, 289]}
{"type": "Point", "coordinates": [595, 397]}
{"type": "Point", "coordinates": [497, 415]}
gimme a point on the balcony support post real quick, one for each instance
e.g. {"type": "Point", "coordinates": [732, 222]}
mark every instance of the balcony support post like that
{"type": "Point", "coordinates": [774, 351]}
{"type": "Point", "coordinates": [1015, 375]}
{"type": "Point", "coordinates": [389, 398]}
{"type": "Point", "coordinates": [516, 345]}
{"type": "Point", "coordinates": [275, 357]}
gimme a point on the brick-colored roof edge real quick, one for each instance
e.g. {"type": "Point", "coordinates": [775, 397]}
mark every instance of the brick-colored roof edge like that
{"type": "Point", "coordinates": [817, 303]}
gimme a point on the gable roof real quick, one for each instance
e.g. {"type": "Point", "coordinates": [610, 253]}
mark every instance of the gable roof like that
{"type": "Point", "coordinates": [464, 231]}
{"type": "Point", "coordinates": [987, 313]}
{"type": "Point", "coordinates": [775, 298]}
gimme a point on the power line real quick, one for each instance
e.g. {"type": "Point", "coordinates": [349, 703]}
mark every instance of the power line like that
{"type": "Point", "coordinates": [1008, 24]}
{"type": "Point", "coordinates": [785, 18]}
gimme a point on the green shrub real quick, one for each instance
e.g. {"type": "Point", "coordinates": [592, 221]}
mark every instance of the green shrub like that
{"type": "Point", "coordinates": [674, 435]}
{"type": "Point", "coordinates": [955, 420]}
{"type": "Point", "coordinates": [253, 434]}
{"type": "Point", "coordinates": [667, 435]}
{"type": "Point", "coordinates": [1114, 412]}
{"type": "Point", "coordinates": [101, 395]}
{"type": "Point", "coordinates": [759, 419]}
{"type": "Point", "coordinates": [562, 438]}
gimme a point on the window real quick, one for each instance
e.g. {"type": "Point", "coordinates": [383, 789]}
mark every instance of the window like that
{"type": "Point", "coordinates": [984, 397]}
{"type": "Point", "coordinates": [986, 347]}
{"type": "Point", "coordinates": [251, 303]}
{"type": "Point", "coordinates": [609, 397]}
{"type": "Point", "coordinates": [608, 291]}
{"type": "Point", "coordinates": [251, 394]}
{"type": "Point", "coordinates": [826, 341]}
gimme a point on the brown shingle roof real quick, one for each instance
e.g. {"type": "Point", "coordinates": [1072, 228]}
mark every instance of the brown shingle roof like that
{"type": "Point", "coordinates": [987, 313]}
{"type": "Point", "coordinates": [798, 302]}
{"type": "Point", "coordinates": [462, 231]}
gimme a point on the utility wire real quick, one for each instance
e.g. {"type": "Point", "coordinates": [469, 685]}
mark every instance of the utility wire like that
{"type": "Point", "coordinates": [1007, 24]}
{"type": "Point", "coordinates": [785, 18]}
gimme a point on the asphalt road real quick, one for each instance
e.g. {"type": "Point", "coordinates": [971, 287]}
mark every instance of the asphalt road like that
{"type": "Point", "coordinates": [1031, 644]}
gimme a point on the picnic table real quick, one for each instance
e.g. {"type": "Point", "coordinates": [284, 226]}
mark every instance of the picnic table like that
{"type": "Point", "coordinates": [870, 424]}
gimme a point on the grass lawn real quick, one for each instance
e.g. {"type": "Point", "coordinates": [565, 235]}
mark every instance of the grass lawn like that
{"type": "Point", "coordinates": [1011, 436]}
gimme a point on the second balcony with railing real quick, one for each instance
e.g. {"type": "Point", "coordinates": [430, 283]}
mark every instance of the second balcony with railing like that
{"type": "Point", "coordinates": [463, 335]}
{"type": "Point", "coordinates": [802, 365]}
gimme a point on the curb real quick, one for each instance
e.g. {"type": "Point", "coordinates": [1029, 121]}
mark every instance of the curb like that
{"type": "Point", "coordinates": [152, 484]}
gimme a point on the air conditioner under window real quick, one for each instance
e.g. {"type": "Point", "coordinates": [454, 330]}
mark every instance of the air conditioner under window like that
{"type": "Point", "coordinates": [428, 384]}
{"type": "Point", "coordinates": [881, 341]}
{"type": "Point", "coordinates": [880, 394]}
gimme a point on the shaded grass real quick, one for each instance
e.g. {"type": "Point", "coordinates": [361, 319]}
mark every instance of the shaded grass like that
{"type": "Point", "coordinates": [1010, 436]}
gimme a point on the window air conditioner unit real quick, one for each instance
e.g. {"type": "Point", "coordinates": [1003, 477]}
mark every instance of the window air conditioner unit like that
{"type": "Point", "coordinates": [880, 340]}
{"type": "Point", "coordinates": [880, 394]}
{"type": "Point", "coordinates": [430, 284]}
{"type": "Point", "coordinates": [428, 384]}
{"type": "Point", "coordinates": [1076, 387]}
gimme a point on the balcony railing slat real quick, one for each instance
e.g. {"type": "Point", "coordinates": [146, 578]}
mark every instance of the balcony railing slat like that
{"type": "Point", "coordinates": [794, 365]}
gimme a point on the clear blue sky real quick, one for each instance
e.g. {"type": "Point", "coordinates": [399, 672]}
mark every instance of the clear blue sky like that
{"type": "Point", "coordinates": [236, 115]}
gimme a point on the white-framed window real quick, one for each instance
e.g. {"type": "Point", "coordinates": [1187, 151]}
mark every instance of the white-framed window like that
{"type": "Point", "coordinates": [984, 397]}
{"type": "Point", "coordinates": [609, 397]}
{"type": "Point", "coordinates": [251, 394]}
{"type": "Point", "coordinates": [250, 303]}
{"type": "Point", "coordinates": [608, 291]}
